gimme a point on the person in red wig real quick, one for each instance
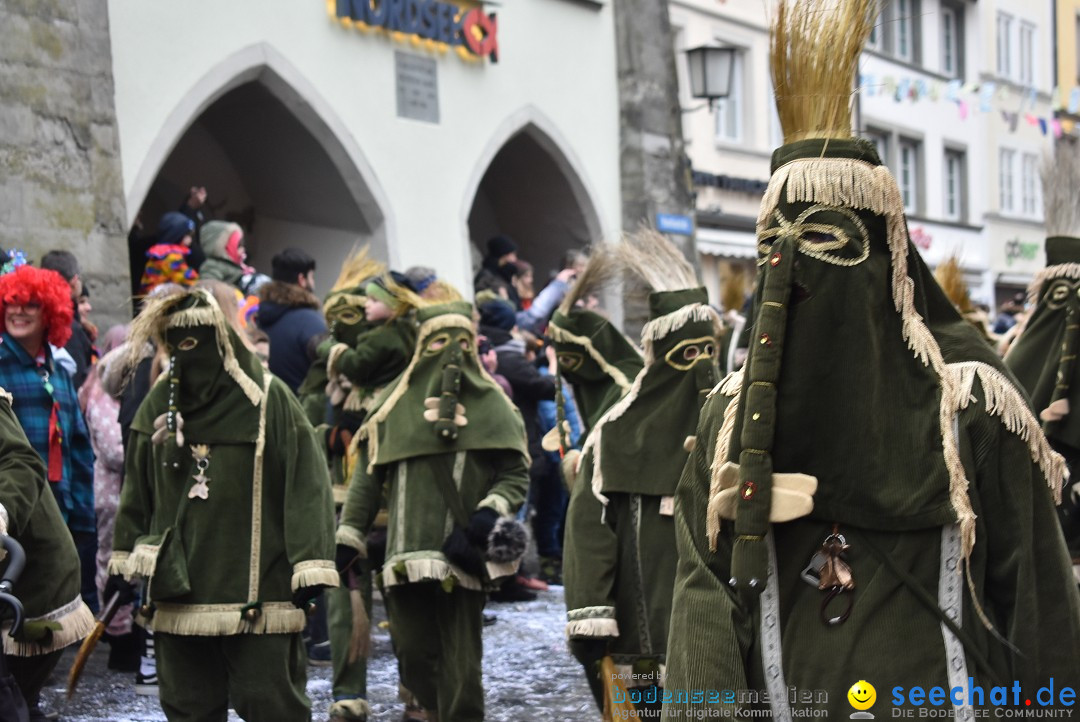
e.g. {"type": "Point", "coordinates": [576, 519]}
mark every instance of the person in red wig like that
{"type": "Point", "coordinates": [36, 308]}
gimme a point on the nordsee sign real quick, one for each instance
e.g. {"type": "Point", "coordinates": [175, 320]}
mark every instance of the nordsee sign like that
{"type": "Point", "coordinates": [470, 30]}
{"type": "Point", "coordinates": [675, 224]}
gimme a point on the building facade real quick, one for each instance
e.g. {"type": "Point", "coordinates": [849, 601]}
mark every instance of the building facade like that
{"type": "Point", "coordinates": [421, 127]}
{"type": "Point", "coordinates": [955, 94]}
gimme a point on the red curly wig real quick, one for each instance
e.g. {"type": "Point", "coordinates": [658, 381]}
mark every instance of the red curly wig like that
{"type": "Point", "coordinates": [27, 284]}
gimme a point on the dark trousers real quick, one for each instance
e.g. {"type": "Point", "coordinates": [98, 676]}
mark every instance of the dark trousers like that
{"type": "Point", "coordinates": [438, 642]}
{"type": "Point", "coordinates": [86, 545]}
{"type": "Point", "coordinates": [264, 676]}
{"type": "Point", "coordinates": [31, 673]}
{"type": "Point", "coordinates": [548, 497]}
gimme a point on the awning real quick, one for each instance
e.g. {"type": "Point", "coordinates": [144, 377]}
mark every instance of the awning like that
{"type": "Point", "coordinates": [726, 243]}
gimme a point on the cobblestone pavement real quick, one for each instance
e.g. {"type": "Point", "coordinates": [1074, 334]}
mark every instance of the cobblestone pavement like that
{"type": "Point", "coordinates": [528, 675]}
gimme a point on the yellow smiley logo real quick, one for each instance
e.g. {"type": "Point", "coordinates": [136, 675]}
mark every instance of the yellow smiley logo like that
{"type": "Point", "coordinates": [862, 695]}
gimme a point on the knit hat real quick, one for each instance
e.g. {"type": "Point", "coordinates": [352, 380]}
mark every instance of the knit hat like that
{"type": "Point", "coordinates": [498, 313]}
{"type": "Point", "coordinates": [499, 246]}
{"type": "Point", "coordinates": [393, 289]}
{"type": "Point", "coordinates": [174, 226]}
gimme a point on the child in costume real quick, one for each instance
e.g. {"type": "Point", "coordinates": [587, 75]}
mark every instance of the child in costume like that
{"type": "Point", "coordinates": [1043, 356]}
{"type": "Point", "coordinates": [226, 512]}
{"type": "Point", "coordinates": [619, 556]}
{"type": "Point", "coordinates": [450, 448]}
{"type": "Point", "coordinates": [55, 614]}
{"type": "Point", "coordinates": [871, 499]}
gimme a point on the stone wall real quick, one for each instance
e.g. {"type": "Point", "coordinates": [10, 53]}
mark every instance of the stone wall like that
{"type": "Point", "coordinates": [60, 177]}
{"type": "Point", "coordinates": [653, 163]}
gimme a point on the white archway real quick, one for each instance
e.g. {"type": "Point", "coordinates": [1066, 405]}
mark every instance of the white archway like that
{"type": "Point", "coordinates": [534, 124]}
{"type": "Point", "coordinates": [262, 63]}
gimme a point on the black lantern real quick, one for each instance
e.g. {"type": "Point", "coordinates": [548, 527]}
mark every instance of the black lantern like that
{"type": "Point", "coordinates": [711, 72]}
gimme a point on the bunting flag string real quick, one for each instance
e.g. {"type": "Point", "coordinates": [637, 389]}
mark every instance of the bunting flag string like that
{"type": "Point", "coordinates": [985, 97]}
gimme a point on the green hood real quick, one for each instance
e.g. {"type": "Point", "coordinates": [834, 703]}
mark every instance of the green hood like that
{"type": "Point", "coordinates": [214, 382]}
{"type": "Point", "coordinates": [635, 446]}
{"type": "Point", "coordinates": [598, 361]}
{"type": "Point", "coordinates": [344, 312]}
{"type": "Point", "coordinates": [858, 363]}
{"type": "Point", "coordinates": [444, 402]}
{"type": "Point", "coordinates": [1043, 357]}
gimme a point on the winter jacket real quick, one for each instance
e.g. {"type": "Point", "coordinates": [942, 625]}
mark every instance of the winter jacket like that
{"type": "Point", "coordinates": [291, 316]}
{"type": "Point", "coordinates": [529, 386]}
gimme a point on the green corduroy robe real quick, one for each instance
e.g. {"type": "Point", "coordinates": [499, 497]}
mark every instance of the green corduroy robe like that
{"type": "Point", "coordinates": [921, 453]}
{"type": "Point", "coordinates": [266, 525]}
{"type": "Point", "coordinates": [55, 614]}
{"type": "Point", "coordinates": [619, 555]}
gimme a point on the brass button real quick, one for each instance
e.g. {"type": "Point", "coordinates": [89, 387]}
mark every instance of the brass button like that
{"type": "Point", "coordinates": [775, 260]}
{"type": "Point", "coordinates": [748, 489]}
{"type": "Point", "coordinates": [764, 340]}
{"type": "Point", "coordinates": [756, 416]}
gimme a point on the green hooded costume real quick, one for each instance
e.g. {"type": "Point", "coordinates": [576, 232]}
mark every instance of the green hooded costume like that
{"type": "Point", "coordinates": [619, 558]}
{"type": "Point", "coordinates": [1043, 357]}
{"type": "Point", "coordinates": [55, 614]}
{"type": "Point", "coordinates": [445, 442]}
{"type": "Point", "coordinates": [226, 511]}
{"type": "Point", "coordinates": [872, 498]}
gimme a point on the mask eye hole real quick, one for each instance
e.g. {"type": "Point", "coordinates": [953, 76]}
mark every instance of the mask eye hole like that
{"type": "Point", "coordinates": [188, 343]}
{"type": "Point", "coordinates": [1058, 294]}
{"type": "Point", "coordinates": [691, 352]}
{"type": "Point", "coordinates": [464, 343]}
{"type": "Point", "coordinates": [570, 361]}
{"type": "Point", "coordinates": [349, 316]}
{"type": "Point", "coordinates": [437, 344]}
{"type": "Point", "coordinates": [709, 350]}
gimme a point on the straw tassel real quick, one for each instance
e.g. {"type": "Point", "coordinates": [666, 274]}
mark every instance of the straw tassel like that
{"type": "Point", "coordinates": [360, 640]}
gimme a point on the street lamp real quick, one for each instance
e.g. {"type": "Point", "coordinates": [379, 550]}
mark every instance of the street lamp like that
{"type": "Point", "coordinates": [711, 72]}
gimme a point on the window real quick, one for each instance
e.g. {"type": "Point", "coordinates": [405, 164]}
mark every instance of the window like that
{"type": "Point", "coordinates": [1027, 54]}
{"type": "Point", "coordinates": [952, 40]}
{"type": "Point", "coordinates": [1004, 45]}
{"type": "Point", "coordinates": [905, 23]}
{"type": "Point", "coordinates": [954, 185]}
{"type": "Point", "coordinates": [729, 110]}
{"type": "Point", "coordinates": [1029, 185]}
{"type": "Point", "coordinates": [897, 31]}
{"type": "Point", "coordinates": [880, 139]}
{"type": "Point", "coordinates": [1006, 174]}
{"type": "Point", "coordinates": [909, 174]}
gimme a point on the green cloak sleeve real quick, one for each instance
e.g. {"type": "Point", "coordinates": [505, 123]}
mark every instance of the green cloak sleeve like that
{"type": "Point", "coordinates": [362, 501]}
{"type": "Point", "coordinates": [709, 633]}
{"type": "Point", "coordinates": [49, 586]}
{"type": "Point", "coordinates": [590, 563]}
{"type": "Point", "coordinates": [379, 357]}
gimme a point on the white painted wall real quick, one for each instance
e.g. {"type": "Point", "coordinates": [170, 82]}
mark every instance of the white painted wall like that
{"type": "Point", "coordinates": [556, 70]}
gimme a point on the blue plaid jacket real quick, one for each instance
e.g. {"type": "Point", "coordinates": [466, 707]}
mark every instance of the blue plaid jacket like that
{"type": "Point", "coordinates": [33, 406]}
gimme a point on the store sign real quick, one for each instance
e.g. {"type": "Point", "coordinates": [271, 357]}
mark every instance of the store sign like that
{"type": "Point", "coordinates": [470, 30]}
{"type": "Point", "coordinates": [921, 238]}
{"type": "Point", "coordinates": [1016, 250]}
{"type": "Point", "coordinates": [729, 183]}
{"type": "Point", "coordinates": [675, 224]}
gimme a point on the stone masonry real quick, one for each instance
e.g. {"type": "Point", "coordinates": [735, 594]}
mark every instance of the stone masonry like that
{"type": "Point", "coordinates": [60, 177]}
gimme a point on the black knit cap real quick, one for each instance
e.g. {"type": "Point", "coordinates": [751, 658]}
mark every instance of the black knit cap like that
{"type": "Point", "coordinates": [499, 246]}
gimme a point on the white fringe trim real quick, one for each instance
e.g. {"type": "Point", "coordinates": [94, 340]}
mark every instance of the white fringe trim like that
{"type": "Point", "coordinates": [660, 327]}
{"type": "Point", "coordinates": [351, 537]}
{"type": "Point", "coordinates": [595, 627]}
{"type": "Point", "coordinates": [335, 355]}
{"type": "Point", "coordinates": [428, 569]}
{"type": "Point", "coordinates": [118, 563]}
{"type": "Point", "coordinates": [1062, 270]}
{"type": "Point", "coordinates": [140, 563]}
{"type": "Point", "coordinates": [1005, 402]}
{"type": "Point", "coordinates": [313, 573]}
{"type": "Point", "coordinates": [561, 335]}
{"type": "Point", "coordinates": [218, 620]}
{"type": "Point", "coordinates": [76, 621]}
{"type": "Point", "coordinates": [723, 445]}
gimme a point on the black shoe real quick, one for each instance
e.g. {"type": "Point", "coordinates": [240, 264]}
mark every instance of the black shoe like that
{"type": "Point", "coordinates": [512, 591]}
{"type": "Point", "coordinates": [490, 619]}
{"type": "Point", "coordinates": [124, 651]}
